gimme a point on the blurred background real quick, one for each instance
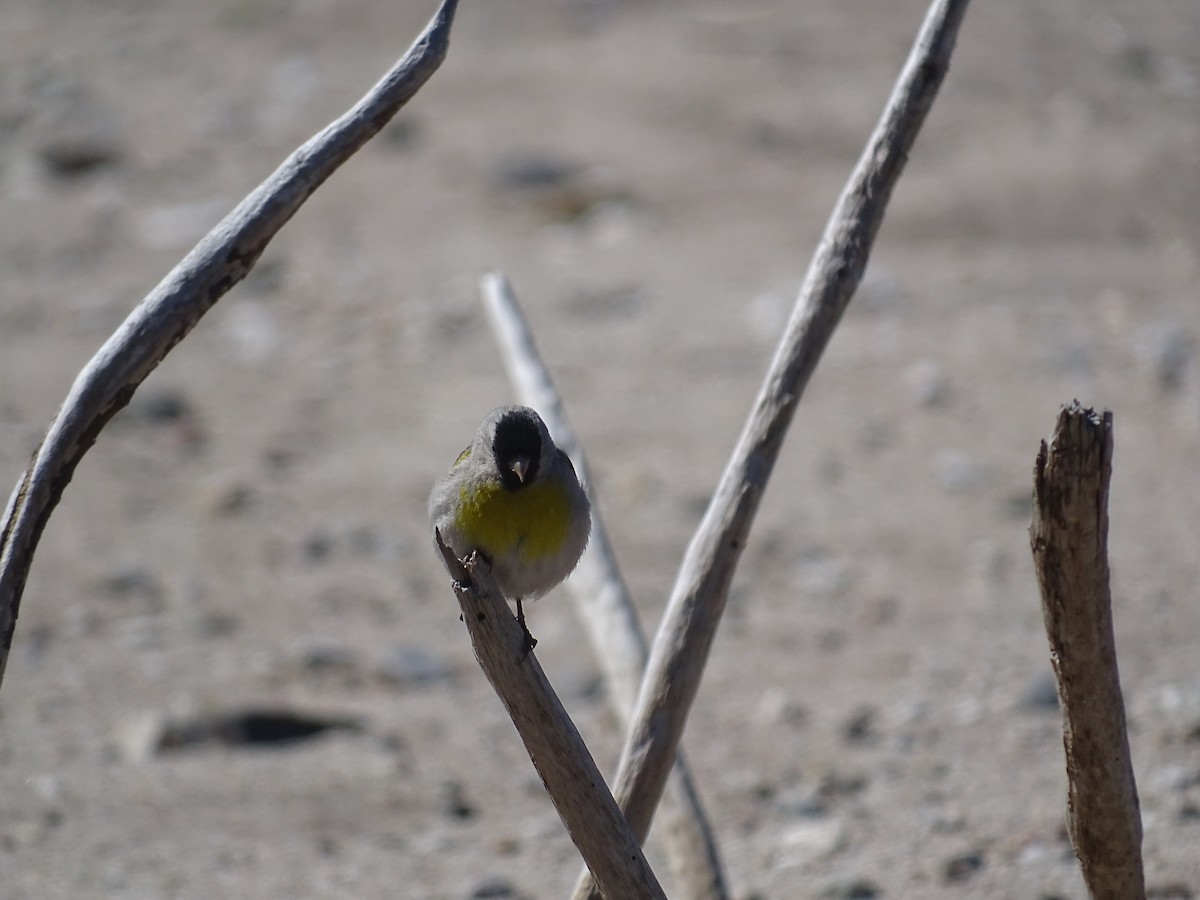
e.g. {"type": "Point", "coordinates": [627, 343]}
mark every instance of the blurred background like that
{"type": "Point", "coordinates": [239, 670]}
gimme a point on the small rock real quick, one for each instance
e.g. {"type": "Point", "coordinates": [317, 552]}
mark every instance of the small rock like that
{"type": "Point", "coordinates": [158, 406]}
{"type": "Point", "coordinates": [214, 625]}
{"type": "Point", "coordinates": [927, 384]}
{"type": "Point", "coordinates": [253, 331]}
{"type": "Point", "coordinates": [266, 277]}
{"type": "Point", "coordinates": [408, 665]}
{"type": "Point", "coordinates": [810, 840]}
{"type": "Point", "coordinates": [493, 888]}
{"type": "Point", "coordinates": [860, 728]}
{"type": "Point", "coordinates": [317, 547]}
{"type": "Point", "coordinates": [803, 801]}
{"type": "Point", "coordinates": [137, 740]}
{"type": "Point", "coordinates": [1173, 777]}
{"type": "Point", "coordinates": [820, 574]}
{"type": "Point", "coordinates": [454, 801]}
{"type": "Point", "coordinates": [775, 707]}
{"type": "Point", "coordinates": [224, 494]}
{"type": "Point", "coordinates": [1168, 349]}
{"type": "Point", "coordinates": [534, 172]}
{"type": "Point", "coordinates": [1040, 694]}
{"type": "Point", "coordinates": [179, 226]}
{"type": "Point", "coordinates": [251, 727]}
{"type": "Point", "coordinates": [767, 315]}
{"type": "Point", "coordinates": [1018, 505]}
{"type": "Point", "coordinates": [1169, 890]}
{"type": "Point", "coordinates": [400, 134]}
{"type": "Point", "coordinates": [329, 658]}
{"type": "Point", "coordinates": [956, 471]}
{"type": "Point", "coordinates": [71, 156]}
{"type": "Point", "coordinates": [961, 868]}
{"type": "Point", "coordinates": [618, 302]}
{"type": "Point", "coordinates": [836, 785]}
{"type": "Point", "coordinates": [169, 410]}
{"type": "Point", "coordinates": [881, 290]}
{"type": "Point", "coordinates": [134, 580]}
{"type": "Point", "coordinates": [853, 889]}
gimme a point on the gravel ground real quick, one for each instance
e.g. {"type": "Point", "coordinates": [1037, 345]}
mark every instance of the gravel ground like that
{"type": "Point", "coordinates": [243, 555]}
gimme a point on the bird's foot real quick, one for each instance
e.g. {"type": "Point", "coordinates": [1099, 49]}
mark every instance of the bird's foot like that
{"type": "Point", "coordinates": [530, 641]}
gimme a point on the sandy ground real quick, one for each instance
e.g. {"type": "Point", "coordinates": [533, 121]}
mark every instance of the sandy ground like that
{"type": "Point", "coordinates": [249, 538]}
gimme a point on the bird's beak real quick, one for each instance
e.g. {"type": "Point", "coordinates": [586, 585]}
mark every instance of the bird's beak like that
{"type": "Point", "coordinates": [520, 466]}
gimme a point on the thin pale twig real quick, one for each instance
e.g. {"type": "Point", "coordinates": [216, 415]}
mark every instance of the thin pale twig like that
{"type": "Point", "coordinates": [602, 598]}
{"type": "Point", "coordinates": [698, 598]}
{"type": "Point", "coordinates": [168, 313]}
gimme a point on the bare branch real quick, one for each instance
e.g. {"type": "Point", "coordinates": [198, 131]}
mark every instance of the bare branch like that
{"type": "Point", "coordinates": [1069, 536]}
{"type": "Point", "coordinates": [602, 598]}
{"type": "Point", "coordinates": [698, 598]}
{"type": "Point", "coordinates": [172, 309]}
{"type": "Point", "coordinates": [559, 754]}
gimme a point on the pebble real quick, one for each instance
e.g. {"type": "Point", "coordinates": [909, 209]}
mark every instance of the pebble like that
{"type": "Point", "coordinates": [329, 658]}
{"type": "Point", "coordinates": [1173, 777]}
{"type": "Point", "coordinates": [776, 707]}
{"type": "Point", "coordinates": [767, 314]}
{"type": "Point", "coordinates": [1040, 693]}
{"type": "Point", "coordinates": [928, 386]}
{"type": "Point", "coordinates": [224, 494]}
{"type": "Point", "coordinates": [493, 888]}
{"type": "Point", "coordinates": [160, 406]}
{"type": "Point", "coordinates": [809, 841]}
{"type": "Point", "coordinates": [961, 868]}
{"type": "Point", "coordinates": [804, 801]}
{"type": "Point", "coordinates": [1168, 350]}
{"type": "Point", "coordinates": [134, 581]}
{"type": "Point", "coordinates": [251, 727]}
{"type": "Point", "coordinates": [454, 801]}
{"type": "Point", "coordinates": [253, 330]}
{"type": "Point", "coordinates": [138, 738]}
{"type": "Point", "coordinates": [409, 665]}
{"type": "Point", "coordinates": [861, 728]}
{"type": "Point", "coordinates": [180, 225]}
{"type": "Point", "coordinates": [400, 135]}
{"type": "Point", "coordinates": [69, 156]}
{"type": "Point", "coordinates": [1169, 890]}
{"type": "Point", "coordinates": [618, 302]}
{"type": "Point", "coordinates": [533, 172]}
{"type": "Point", "coordinates": [957, 471]}
{"type": "Point", "coordinates": [852, 889]}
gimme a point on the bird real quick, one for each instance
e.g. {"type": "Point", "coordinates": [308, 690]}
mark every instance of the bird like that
{"type": "Point", "coordinates": [513, 497]}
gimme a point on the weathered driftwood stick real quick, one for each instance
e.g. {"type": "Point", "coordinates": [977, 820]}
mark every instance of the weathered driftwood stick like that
{"type": "Point", "coordinates": [559, 754]}
{"type": "Point", "coordinates": [697, 600]}
{"type": "Point", "coordinates": [172, 309]}
{"type": "Point", "coordinates": [1069, 536]}
{"type": "Point", "coordinates": [602, 599]}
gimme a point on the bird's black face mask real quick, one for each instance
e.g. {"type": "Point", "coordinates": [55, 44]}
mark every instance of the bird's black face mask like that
{"type": "Point", "coordinates": [517, 448]}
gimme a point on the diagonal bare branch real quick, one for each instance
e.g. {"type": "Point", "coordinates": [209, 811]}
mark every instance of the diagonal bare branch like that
{"type": "Point", "coordinates": [168, 313]}
{"type": "Point", "coordinates": [559, 754]}
{"type": "Point", "coordinates": [602, 598]}
{"type": "Point", "coordinates": [698, 598]}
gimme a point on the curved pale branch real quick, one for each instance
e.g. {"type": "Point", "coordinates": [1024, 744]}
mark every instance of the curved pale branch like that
{"type": "Point", "coordinates": [698, 598]}
{"type": "Point", "coordinates": [602, 598]}
{"type": "Point", "coordinates": [172, 309]}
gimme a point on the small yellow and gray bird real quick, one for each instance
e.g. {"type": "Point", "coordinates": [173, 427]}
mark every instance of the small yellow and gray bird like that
{"type": "Point", "coordinates": [513, 496]}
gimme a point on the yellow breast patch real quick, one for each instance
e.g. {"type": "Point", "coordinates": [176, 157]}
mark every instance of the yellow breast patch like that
{"type": "Point", "coordinates": [531, 522]}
